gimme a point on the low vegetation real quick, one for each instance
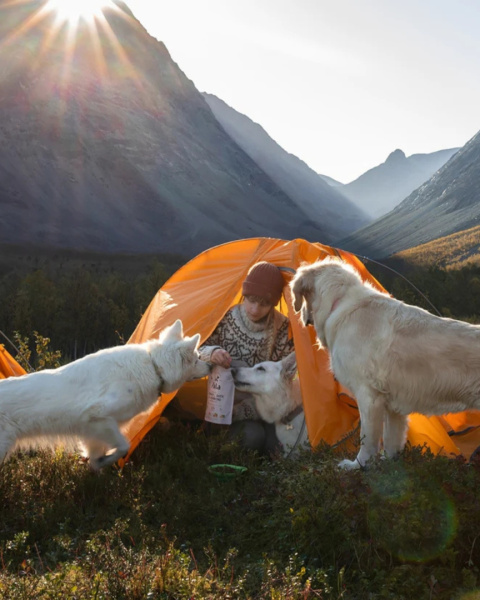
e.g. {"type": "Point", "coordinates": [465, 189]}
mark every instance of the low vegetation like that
{"type": "Point", "coordinates": [166, 527]}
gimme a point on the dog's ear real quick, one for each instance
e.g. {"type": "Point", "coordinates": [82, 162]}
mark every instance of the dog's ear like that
{"type": "Point", "coordinates": [195, 340]}
{"type": "Point", "coordinates": [175, 331]}
{"type": "Point", "coordinates": [289, 366]}
{"type": "Point", "coordinates": [301, 286]}
{"type": "Point", "coordinates": [189, 346]}
{"type": "Point", "coordinates": [177, 328]}
{"type": "Point", "coordinates": [296, 287]}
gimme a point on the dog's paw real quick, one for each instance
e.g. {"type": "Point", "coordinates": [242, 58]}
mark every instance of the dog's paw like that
{"type": "Point", "coordinates": [104, 461]}
{"type": "Point", "coordinates": [98, 463]}
{"type": "Point", "coordinates": [108, 459]}
{"type": "Point", "coordinates": [95, 463]}
{"type": "Point", "coordinates": [349, 465]}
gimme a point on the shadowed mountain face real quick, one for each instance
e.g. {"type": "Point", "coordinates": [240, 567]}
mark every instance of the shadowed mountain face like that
{"type": "Point", "coordinates": [106, 145]}
{"type": "Point", "coordinates": [381, 189]}
{"type": "Point", "coordinates": [447, 203]}
{"type": "Point", "coordinates": [305, 187]}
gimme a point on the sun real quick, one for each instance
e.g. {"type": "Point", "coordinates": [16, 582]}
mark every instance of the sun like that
{"type": "Point", "coordinates": [74, 10]}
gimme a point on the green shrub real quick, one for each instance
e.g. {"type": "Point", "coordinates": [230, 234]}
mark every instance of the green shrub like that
{"type": "Point", "coordinates": [165, 527]}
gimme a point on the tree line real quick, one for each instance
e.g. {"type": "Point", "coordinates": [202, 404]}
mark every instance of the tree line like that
{"type": "Point", "coordinates": [82, 310]}
{"type": "Point", "coordinates": [453, 293]}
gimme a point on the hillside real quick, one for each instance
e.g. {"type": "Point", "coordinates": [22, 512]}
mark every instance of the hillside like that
{"type": "Point", "coordinates": [295, 177]}
{"type": "Point", "coordinates": [454, 251]}
{"type": "Point", "coordinates": [448, 203]}
{"type": "Point", "coordinates": [107, 146]}
{"type": "Point", "coordinates": [381, 189]}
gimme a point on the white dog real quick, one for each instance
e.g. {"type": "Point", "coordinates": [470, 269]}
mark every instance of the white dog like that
{"type": "Point", "coordinates": [277, 397]}
{"type": "Point", "coordinates": [88, 399]}
{"type": "Point", "coordinates": [396, 359]}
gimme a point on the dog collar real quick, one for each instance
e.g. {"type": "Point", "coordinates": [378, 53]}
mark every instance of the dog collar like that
{"type": "Point", "coordinates": [291, 415]}
{"type": "Point", "coordinates": [159, 375]}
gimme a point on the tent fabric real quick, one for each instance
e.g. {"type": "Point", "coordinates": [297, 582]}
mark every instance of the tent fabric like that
{"type": "Point", "coordinates": [8, 365]}
{"type": "Point", "coordinates": [202, 291]}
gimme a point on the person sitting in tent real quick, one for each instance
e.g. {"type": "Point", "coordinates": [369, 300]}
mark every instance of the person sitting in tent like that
{"type": "Point", "coordinates": [249, 333]}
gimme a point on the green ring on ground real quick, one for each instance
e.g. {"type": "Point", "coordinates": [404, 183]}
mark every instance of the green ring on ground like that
{"type": "Point", "coordinates": [225, 472]}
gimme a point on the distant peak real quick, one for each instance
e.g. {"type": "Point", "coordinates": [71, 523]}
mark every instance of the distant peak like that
{"type": "Point", "coordinates": [396, 155]}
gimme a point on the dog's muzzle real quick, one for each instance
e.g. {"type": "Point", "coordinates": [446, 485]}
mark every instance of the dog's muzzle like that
{"type": "Point", "coordinates": [306, 314]}
{"type": "Point", "coordinates": [307, 318]}
{"type": "Point", "coordinates": [234, 373]}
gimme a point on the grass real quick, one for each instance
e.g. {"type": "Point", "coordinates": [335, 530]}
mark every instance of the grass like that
{"type": "Point", "coordinates": [165, 527]}
{"type": "Point", "coordinates": [455, 251]}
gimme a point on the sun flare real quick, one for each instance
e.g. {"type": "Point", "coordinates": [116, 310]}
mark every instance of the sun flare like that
{"type": "Point", "coordinates": [74, 10]}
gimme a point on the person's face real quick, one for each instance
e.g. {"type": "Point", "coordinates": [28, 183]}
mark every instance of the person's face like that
{"type": "Point", "coordinates": [256, 308]}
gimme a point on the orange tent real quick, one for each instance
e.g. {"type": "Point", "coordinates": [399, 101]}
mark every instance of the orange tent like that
{"type": "Point", "coordinates": [8, 365]}
{"type": "Point", "coordinates": [203, 290]}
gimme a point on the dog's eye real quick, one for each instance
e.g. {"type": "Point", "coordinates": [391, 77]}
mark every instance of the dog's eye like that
{"type": "Point", "coordinates": [260, 368]}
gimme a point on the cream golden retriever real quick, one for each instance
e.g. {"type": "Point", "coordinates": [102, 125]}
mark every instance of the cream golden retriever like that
{"type": "Point", "coordinates": [395, 358]}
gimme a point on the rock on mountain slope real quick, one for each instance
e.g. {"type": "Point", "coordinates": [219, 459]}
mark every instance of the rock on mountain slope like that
{"type": "Point", "coordinates": [382, 188]}
{"type": "Point", "coordinates": [302, 184]}
{"type": "Point", "coordinates": [447, 203]}
{"type": "Point", "coordinates": [107, 145]}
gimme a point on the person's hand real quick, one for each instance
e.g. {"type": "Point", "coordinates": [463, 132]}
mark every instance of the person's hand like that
{"type": "Point", "coordinates": [221, 357]}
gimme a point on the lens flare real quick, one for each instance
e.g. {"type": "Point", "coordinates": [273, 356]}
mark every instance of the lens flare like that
{"type": "Point", "coordinates": [74, 10]}
{"type": "Point", "coordinates": [413, 519]}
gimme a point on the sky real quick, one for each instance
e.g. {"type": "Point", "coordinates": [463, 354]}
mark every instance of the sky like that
{"type": "Point", "coordinates": [339, 83]}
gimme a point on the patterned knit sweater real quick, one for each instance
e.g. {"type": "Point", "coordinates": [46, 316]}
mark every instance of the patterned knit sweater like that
{"type": "Point", "coordinates": [248, 341]}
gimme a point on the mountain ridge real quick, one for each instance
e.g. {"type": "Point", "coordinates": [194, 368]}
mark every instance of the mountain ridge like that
{"type": "Point", "coordinates": [122, 154]}
{"type": "Point", "coordinates": [380, 189]}
{"type": "Point", "coordinates": [293, 175]}
{"type": "Point", "coordinates": [447, 203]}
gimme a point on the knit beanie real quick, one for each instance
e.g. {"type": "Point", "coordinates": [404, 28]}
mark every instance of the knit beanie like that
{"type": "Point", "coordinates": [264, 280]}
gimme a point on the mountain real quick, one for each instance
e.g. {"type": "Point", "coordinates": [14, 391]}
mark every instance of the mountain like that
{"type": "Point", "coordinates": [382, 188]}
{"type": "Point", "coordinates": [106, 145]}
{"type": "Point", "coordinates": [292, 175]}
{"type": "Point", "coordinates": [449, 202]}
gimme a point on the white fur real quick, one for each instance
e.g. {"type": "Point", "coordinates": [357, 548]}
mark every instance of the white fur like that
{"type": "Point", "coordinates": [395, 358]}
{"type": "Point", "coordinates": [276, 393]}
{"type": "Point", "coordinates": [88, 399]}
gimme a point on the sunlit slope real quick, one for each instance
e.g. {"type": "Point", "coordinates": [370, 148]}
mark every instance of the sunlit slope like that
{"type": "Point", "coordinates": [453, 251]}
